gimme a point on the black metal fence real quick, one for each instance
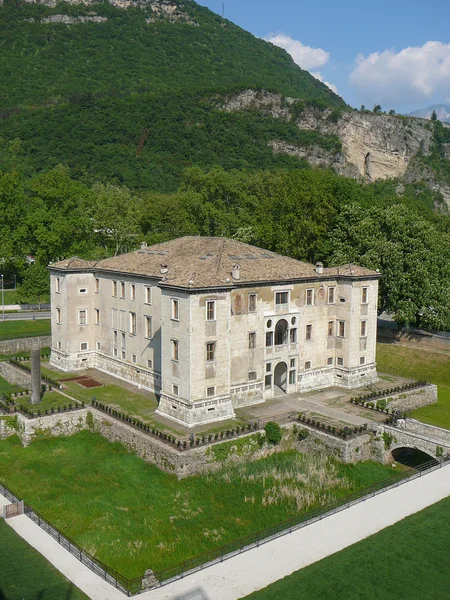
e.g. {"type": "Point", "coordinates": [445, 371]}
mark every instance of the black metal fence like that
{"type": "Point", "coordinates": [131, 587]}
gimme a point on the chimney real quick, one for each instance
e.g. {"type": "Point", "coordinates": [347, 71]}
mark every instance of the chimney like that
{"type": "Point", "coordinates": [319, 268]}
{"type": "Point", "coordinates": [235, 273]}
{"type": "Point", "coordinates": [143, 245]}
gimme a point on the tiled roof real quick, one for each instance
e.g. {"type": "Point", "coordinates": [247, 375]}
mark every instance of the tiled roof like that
{"type": "Point", "coordinates": [201, 262]}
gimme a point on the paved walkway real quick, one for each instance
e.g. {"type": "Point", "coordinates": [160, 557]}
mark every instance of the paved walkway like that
{"type": "Point", "coordinates": [257, 568]}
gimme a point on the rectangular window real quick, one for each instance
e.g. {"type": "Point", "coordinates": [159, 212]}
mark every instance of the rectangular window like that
{"type": "Point", "coordinates": [364, 295]}
{"type": "Point", "coordinates": [211, 310]}
{"type": "Point", "coordinates": [175, 310]}
{"type": "Point", "coordinates": [341, 328]}
{"type": "Point", "coordinates": [115, 336]}
{"type": "Point", "coordinates": [98, 346]}
{"type": "Point", "coordinates": [148, 294]}
{"type": "Point", "coordinates": [123, 355]}
{"type": "Point", "coordinates": [362, 360]}
{"type": "Point", "coordinates": [307, 365]}
{"type": "Point", "coordinates": [252, 340]}
{"type": "Point", "coordinates": [175, 350]}
{"type": "Point", "coordinates": [308, 335]}
{"type": "Point", "coordinates": [133, 323]}
{"type": "Point", "coordinates": [114, 289]}
{"type": "Point", "coordinates": [211, 391]}
{"type": "Point", "coordinates": [132, 291]}
{"type": "Point", "coordinates": [281, 298]}
{"type": "Point", "coordinates": [268, 367]}
{"type": "Point", "coordinates": [97, 286]}
{"type": "Point", "coordinates": [363, 328]}
{"type": "Point", "coordinates": [292, 363]}
{"type": "Point", "coordinates": [291, 377]}
{"type": "Point", "coordinates": [114, 318]}
{"type": "Point", "coordinates": [211, 351]}
{"type": "Point", "coordinates": [58, 316]}
{"type": "Point", "coordinates": [58, 285]}
{"type": "Point", "coordinates": [293, 335]}
{"type": "Point", "coordinates": [268, 382]}
{"type": "Point", "coordinates": [252, 303]}
{"type": "Point", "coordinates": [331, 295]}
{"type": "Point", "coordinates": [133, 358]}
{"type": "Point", "coordinates": [59, 345]}
{"type": "Point", "coordinates": [115, 352]}
{"type": "Point", "coordinates": [330, 328]}
{"type": "Point", "coordinates": [122, 289]}
{"type": "Point", "coordinates": [340, 361]}
{"type": "Point", "coordinates": [97, 316]}
{"type": "Point", "coordinates": [175, 390]}
{"type": "Point", "coordinates": [309, 297]}
{"type": "Point", "coordinates": [329, 360]}
{"type": "Point", "coordinates": [149, 364]}
{"type": "Point", "coordinates": [123, 339]}
{"type": "Point", "coordinates": [83, 346]}
{"type": "Point", "coordinates": [148, 327]}
{"type": "Point", "coordinates": [82, 317]}
{"type": "Point", "coordinates": [269, 339]}
{"type": "Point", "coordinates": [252, 376]}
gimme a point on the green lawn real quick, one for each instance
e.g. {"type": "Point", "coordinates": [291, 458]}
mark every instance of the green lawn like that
{"type": "Point", "coordinates": [408, 560]}
{"type": "Point", "coordinates": [6, 387]}
{"type": "Point", "coordinates": [10, 330]}
{"type": "Point", "coordinates": [13, 297]}
{"type": "Point", "coordinates": [25, 574]}
{"type": "Point", "coordinates": [133, 516]}
{"type": "Point", "coordinates": [49, 400]}
{"type": "Point", "coordinates": [420, 363]}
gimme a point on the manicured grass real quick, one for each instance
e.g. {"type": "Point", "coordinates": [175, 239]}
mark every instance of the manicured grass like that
{"type": "Point", "coordinates": [420, 363]}
{"type": "Point", "coordinates": [133, 516]}
{"type": "Point", "coordinates": [436, 414]}
{"type": "Point", "coordinates": [6, 387]}
{"type": "Point", "coordinates": [13, 297]}
{"type": "Point", "coordinates": [415, 363]}
{"type": "Point", "coordinates": [402, 561]}
{"type": "Point", "coordinates": [26, 574]}
{"type": "Point", "coordinates": [49, 400]}
{"type": "Point", "coordinates": [10, 330]}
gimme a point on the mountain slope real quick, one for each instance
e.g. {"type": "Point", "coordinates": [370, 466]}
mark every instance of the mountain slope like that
{"type": "Point", "coordinates": [442, 112]}
{"type": "Point", "coordinates": [49, 52]}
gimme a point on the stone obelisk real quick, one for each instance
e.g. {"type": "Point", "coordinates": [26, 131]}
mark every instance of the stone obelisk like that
{"type": "Point", "coordinates": [35, 376]}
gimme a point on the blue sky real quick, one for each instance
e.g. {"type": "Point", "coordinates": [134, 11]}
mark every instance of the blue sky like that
{"type": "Point", "coordinates": [372, 52]}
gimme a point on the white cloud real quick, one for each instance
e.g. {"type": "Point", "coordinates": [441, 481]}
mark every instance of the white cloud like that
{"type": "Point", "coordinates": [321, 78]}
{"type": "Point", "coordinates": [411, 75]}
{"type": "Point", "coordinates": [305, 56]}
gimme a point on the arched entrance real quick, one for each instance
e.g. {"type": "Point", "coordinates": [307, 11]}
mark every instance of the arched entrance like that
{"type": "Point", "coordinates": [280, 377]}
{"type": "Point", "coordinates": [281, 332]}
{"type": "Point", "coordinates": [412, 457]}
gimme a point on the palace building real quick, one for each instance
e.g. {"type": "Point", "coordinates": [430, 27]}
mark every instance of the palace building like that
{"type": "Point", "coordinates": [212, 324]}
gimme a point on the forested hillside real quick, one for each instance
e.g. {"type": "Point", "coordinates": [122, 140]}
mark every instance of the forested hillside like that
{"type": "Point", "coordinates": [159, 119]}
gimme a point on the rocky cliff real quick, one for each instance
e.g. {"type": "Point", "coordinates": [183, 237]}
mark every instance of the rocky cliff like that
{"type": "Point", "coordinates": [373, 146]}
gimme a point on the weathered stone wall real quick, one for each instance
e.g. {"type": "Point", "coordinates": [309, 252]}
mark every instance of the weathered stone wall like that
{"type": "Point", "coordinates": [416, 398]}
{"type": "Point", "coordinates": [58, 424]}
{"type": "Point", "coordinates": [5, 429]}
{"type": "Point", "coordinates": [25, 344]}
{"type": "Point", "coordinates": [14, 375]}
{"type": "Point", "coordinates": [429, 431]}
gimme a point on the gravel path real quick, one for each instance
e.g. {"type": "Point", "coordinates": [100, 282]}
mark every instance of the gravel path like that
{"type": "Point", "coordinates": [257, 568]}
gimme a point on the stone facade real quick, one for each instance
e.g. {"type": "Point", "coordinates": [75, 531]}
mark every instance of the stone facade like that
{"type": "Point", "coordinates": [235, 336]}
{"type": "Point", "coordinates": [25, 344]}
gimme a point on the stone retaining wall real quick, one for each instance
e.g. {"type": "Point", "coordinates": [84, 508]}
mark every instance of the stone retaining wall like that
{"type": "Point", "coordinates": [25, 344]}
{"type": "Point", "coordinates": [415, 398]}
{"type": "Point", "coordinates": [14, 375]}
{"type": "Point", "coordinates": [5, 429]}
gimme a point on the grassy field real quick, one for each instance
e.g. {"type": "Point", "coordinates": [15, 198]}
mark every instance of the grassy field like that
{"type": "Point", "coordinates": [10, 330]}
{"type": "Point", "coordinates": [420, 363]}
{"type": "Point", "coordinates": [13, 297]}
{"type": "Point", "coordinates": [133, 516]}
{"type": "Point", "coordinates": [400, 562]}
{"type": "Point", "coordinates": [49, 400]}
{"type": "Point", "coordinates": [25, 574]}
{"type": "Point", "coordinates": [6, 387]}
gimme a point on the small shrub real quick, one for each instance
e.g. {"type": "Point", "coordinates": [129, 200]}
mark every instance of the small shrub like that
{"type": "Point", "coordinates": [273, 432]}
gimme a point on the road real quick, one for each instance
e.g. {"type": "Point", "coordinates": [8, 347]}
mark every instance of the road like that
{"type": "Point", "coordinates": [25, 316]}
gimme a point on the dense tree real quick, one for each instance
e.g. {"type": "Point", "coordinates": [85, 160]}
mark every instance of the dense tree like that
{"type": "Point", "coordinates": [35, 284]}
{"type": "Point", "coordinates": [434, 116]}
{"type": "Point", "coordinates": [412, 255]}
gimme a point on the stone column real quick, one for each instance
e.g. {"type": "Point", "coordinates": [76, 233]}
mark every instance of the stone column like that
{"type": "Point", "coordinates": [35, 376]}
